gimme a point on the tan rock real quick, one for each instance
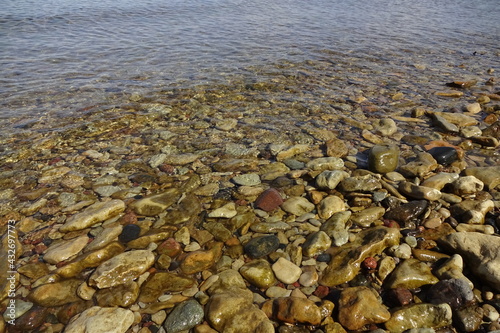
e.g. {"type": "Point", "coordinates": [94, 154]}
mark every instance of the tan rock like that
{"type": "Point", "coordinates": [293, 310]}
{"type": "Point", "coordinates": [101, 320]}
{"type": "Point", "coordinates": [163, 282]}
{"type": "Point", "coordinates": [410, 274]}
{"type": "Point", "coordinates": [66, 249]}
{"type": "Point", "coordinates": [360, 306]}
{"type": "Point", "coordinates": [98, 212]}
{"type": "Point", "coordinates": [155, 204]}
{"type": "Point", "coordinates": [55, 294]}
{"type": "Point", "coordinates": [198, 261]}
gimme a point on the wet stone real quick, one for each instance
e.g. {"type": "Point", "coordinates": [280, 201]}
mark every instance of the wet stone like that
{"type": "Point", "coordinates": [198, 261]}
{"type": "Point", "coordinates": [469, 319]}
{"type": "Point", "coordinates": [101, 320]}
{"type": "Point", "coordinates": [286, 271]}
{"type": "Point", "coordinates": [261, 246]}
{"type": "Point", "coordinates": [419, 315]}
{"type": "Point", "coordinates": [297, 206]}
{"type": "Point", "coordinates": [316, 243]}
{"type": "Point", "coordinates": [336, 148]}
{"type": "Point", "coordinates": [410, 274]}
{"type": "Point", "coordinates": [31, 320]}
{"type": "Point", "coordinates": [184, 316]}
{"type": "Point", "coordinates": [259, 273]}
{"type": "Point", "coordinates": [366, 183]}
{"type": "Point", "coordinates": [454, 292]}
{"type": "Point", "coordinates": [440, 180]}
{"type": "Point", "coordinates": [444, 155]}
{"type": "Point", "coordinates": [155, 204]}
{"type": "Point", "coordinates": [330, 205]}
{"type": "Point", "coordinates": [293, 310]}
{"type": "Point", "coordinates": [58, 252]}
{"type": "Point", "coordinates": [55, 294]}
{"type": "Point", "coordinates": [421, 166]}
{"type": "Point", "coordinates": [419, 192]}
{"type": "Point", "coordinates": [359, 306]}
{"type": "Point", "coordinates": [406, 212]}
{"type": "Point", "coordinates": [383, 159]}
{"type": "Point", "coordinates": [129, 233]}
{"type": "Point", "coordinates": [248, 179]}
{"type": "Point", "coordinates": [367, 216]}
{"type": "Point", "coordinates": [337, 227]}
{"type": "Point", "coordinates": [163, 282]}
{"type": "Point", "coordinates": [329, 179]}
{"type": "Point", "coordinates": [98, 212]}
{"type": "Point", "coordinates": [123, 295]}
{"type": "Point", "coordinates": [490, 176]}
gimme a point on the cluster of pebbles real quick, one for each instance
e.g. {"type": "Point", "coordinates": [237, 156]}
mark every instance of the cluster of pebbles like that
{"type": "Point", "coordinates": [242, 210]}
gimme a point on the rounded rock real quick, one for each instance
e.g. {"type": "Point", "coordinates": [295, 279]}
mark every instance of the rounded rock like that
{"type": "Point", "coordinates": [259, 247]}
{"type": "Point", "coordinates": [383, 158]}
{"type": "Point", "coordinates": [184, 316]}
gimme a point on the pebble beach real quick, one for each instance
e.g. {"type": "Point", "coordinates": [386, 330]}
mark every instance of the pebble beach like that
{"type": "Point", "coordinates": [310, 200]}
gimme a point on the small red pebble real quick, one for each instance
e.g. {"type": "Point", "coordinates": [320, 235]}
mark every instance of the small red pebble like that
{"type": "Point", "coordinates": [321, 291]}
{"type": "Point", "coordinates": [391, 224]}
{"type": "Point", "coordinates": [39, 248]}
{"type": "Point", "coordinates": [370, 263]}
{"type": "Point", "coordinates": [296, 284]}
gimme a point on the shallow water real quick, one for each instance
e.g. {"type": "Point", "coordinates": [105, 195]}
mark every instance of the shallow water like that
{"type": "Point", "coordinates": [61, 58]}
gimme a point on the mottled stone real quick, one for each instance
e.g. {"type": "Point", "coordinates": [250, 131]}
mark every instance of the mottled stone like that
{"type": "Point", "coordinates": [385, 126]}
{"type": "Point", "coordinates": [472, 211]}
{"type": "Point", "coordinates": [269, 200]}
{"type": "Point", "coordinates": [129, 233]}
{"type": "Point", "coordinates": [337, 227]}
{"type": "Point", "coordinates": [123, 295]}
{"type": "Point", "coordinates": [366, 217]}
{"type": "Point", "coordinates": [152, 236]}
{"type": "Point", "coordinates": [406, 212]}
{"type": "Point", "coordinates": [247, 179]}
{"type": "Point", "coordinates": [419, 316]}
{"type": "Point", "coordinates": [293, 310]}
{"type": "Point", "coordinates": [259, 273]}
{"type": "Point", "coordinates": [55, 294]}
{"type": "Point", "coordinates": [101, 320]}
{"type": "Point", "coordinates": [122, 268]}
{"type": "Point", "coordinates": [63, 250]}
{"type": "Point", "coordinates": [439, 180]}
{"type": "Point", "coordinates": [410, 274]}
{"type": "Point", "coordinates": [163, 282]}
{"type": "Point", "coordinates": [347, 259]}
{"type": "Point", "coordinates": [198, 261]}
{"type": "Point", "coordinates": [325, 163]}
{"type": "Point", "coordinates": [359, 306]}
{"type": "Point", "coordinates": [107, 236]}
{"type": "Point", "coordinates": [98, 212]}
{"type": "Point", "coordinates": [329, 179]}
{"type": "Point", "coordinates": [480, 252]}
{"type": "Point", "coordinates": [232, 311]}
{"type": "Point", "coordinates": [467, 185]}
{"type": "Point", "coordinates": [316, 243]}
{"type": "Point", "coordinates": [468, 319]}
{"type": "Point", "coordinates": [297, 206]}
{"type": "Point", "coordinates": [330, 205]}
{"type": "Point", "coordinates": [383, 158]}
{"type": "Point", "coordinates": [309, 276]}
{"type": "Point", "coordinates": [227, 211]}
{"type": "Point", "coordinates": [455, 292]}
{"type": "Point", "coordinates": [286, 271]}
{"type": "Point", "coordinates": [336, 148]}
{"type": "Point", "coordinates": [184, 316]}
{"type": "Point", "coordinates": [490, 176]}
{"type": "Point", "coordinates": [419, 192]}
{"type": "Point", "coordinates": [423, 164]}
{"type": "Point", "coordinates": [155, 204]}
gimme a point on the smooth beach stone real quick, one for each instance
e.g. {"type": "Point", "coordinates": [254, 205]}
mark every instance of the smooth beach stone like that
{"type": "Point", "coordinates": [20, 307]}
{"type": "Point", "coordinates": [482, 228]}
{"type": "Point", "coordinates": [129, 233]}
{"type": "Point", "coordinates": [419, 316]}
{"type": "Point", "coordinates": [336, 148]}
{"type": "Point", "coordinates": [198, 261]}
{"type": "Point", "coordinates": [325, 163]}
{"type": "Point", "coordinates": [481, 253]}
{"type": "Point", "coordinates": [269, 200]}
{"type": "Point", "coordinates": [346, 259]}
{"type": "Point", "coordinates": [270, 227]}
{"type": "Point", "coordinates": [98, 212]}
{"type": "Point", "coordinates": [423, 164]}
{"type": "Point", "coordinates": [293, 310]}
{"type": "Point", "coordinates": [467, 185]}
{"type": "Point", "coordinates": [275, 292]}
{"type": "Point", "coordinates": [410, 274]}
{"type": "Point", "coordinates": [50, 176]}
{"type": "Point", "coordinates": [485, 141]}
{"type": "Point", "coordinates": [297, 206]}
{"type": "Point", "coordinates": [155, 204]}
{"type": "Point", "coordinates": [329, 179]}
{"type": "Point", "coordinates": [457, 118]}
{"type": "Point", "coordinates": [232, 310]}
{"type": "Point", "coordinates": [55, 294]}
{"type": "Point", "coordinates": [101, 320]}
{"type": "Point", "coordinates": [444, 124]}
{"type": "Point", "coordinates": [330, 205]}
{"type": "Point", "coordinates": [152, 236]}
{"type": "Point", "coordinates": [428, 255]}
{"type": "Point", "coordinates": [125, 267]}
{"type": "Point", "coordinates": [440, 180]}
{"type": "Point", "coordinates": [408, 211]}
{"type": "Point", "coordinates": [163, 282]}
{"type": "Point", "coordinates": [366, 217]}
{"type": "Point", "coordinates": [401, 251]}
{"type": "Point", "coordinates": [385, 126]}
{"type": "Point", "coordinates": [90, 259]}
{"type": "Point", "coordinates": [227, 211]}
{"type": "Point", "coordinates": [316, 243]}
{"type": "Point", "coordinates": [383, 158]}
{"type": "Point", "coordinates": [218, 230]}
{"type": "Point", "coordinates": [259, 247]}
{"type": "Point", "coordinates": [283, 152]}
{"type": "Point", "coordinates": [419, 192]}
{"type": "Point", "coordinates": [259, 273]}
{"type": "Point", "coordinates": [385, 267]}
{"type": "Point", "coordinates": [490, 176]}
{"type": "Point", "coordinates": [473, 107]}
{"type": "Point", "coordinates": [360, 306]}
{"type": "Point", "coordinates": [444, 155]}
{"type": "Point", "coordinates": [454, 292]}
{"type": "Point", "coordinates": [286, 271]}
{"type": "Point", "coordinates": [184, 316]}
{"type": "Point", "coordinates": [366, 183]}
{"type": "Point", "coordinates": [61, 251]}
{"type": "Point", "coordinates": [453, 269]}
{"type": "Point", "coordinates": [470, 131]}
{"type": "Point", "coordinates": [123, 295]}
{"type": "Point", "coordinates": [472, 211]}
{"type": "Point", "coordinates": [248, 179]}
{"type": "Point", "coordinates": [105, 237]}
{"type": "Point", "coordinates": [309, 276]}
{"type": "Point", "coordinates": [336, 227]}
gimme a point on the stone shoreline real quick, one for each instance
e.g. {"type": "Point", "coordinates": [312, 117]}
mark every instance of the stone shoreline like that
{"type": "Point", "coordinates": [236, 210]}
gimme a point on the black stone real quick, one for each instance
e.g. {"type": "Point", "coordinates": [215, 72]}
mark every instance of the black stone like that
{"type": "Point", "coordinates": [261, 246]}
{"type": "Point", "coordinates": [444, 155]}
{"type": "Point", "coordinates": [324, 257]}
{"type": "Point", "coordinates": [454, 292]}
{"type": "Point", "coordinates": [129, 233]}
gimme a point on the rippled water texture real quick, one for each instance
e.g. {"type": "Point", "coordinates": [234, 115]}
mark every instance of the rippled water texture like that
{"type": "Point", "coordinates": [61, 57]}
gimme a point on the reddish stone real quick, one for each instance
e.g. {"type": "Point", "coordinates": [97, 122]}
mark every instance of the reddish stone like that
{"type": "Point", "coordinates": [40, 248]}
{"type": "Point", "coordinates": [321, 291]}
{"type": "Point", "coordinates": [370, 263]}
{"type": "Point", "coordinates": [30, 320]}
{"type": "Point", "coordinates": [398, 297]}
{"type": "Point", "coordinates": [167, 168]}
{"type": "Point", "coordinates": [170, 247]}
{"type": "Point", "coordinates": [269, 200]}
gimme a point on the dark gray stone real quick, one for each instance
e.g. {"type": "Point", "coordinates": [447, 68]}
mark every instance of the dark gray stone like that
{"type": "Point", "coordinates": [184, 316]}
{"type": "Point", "coordinates": [261, 246]}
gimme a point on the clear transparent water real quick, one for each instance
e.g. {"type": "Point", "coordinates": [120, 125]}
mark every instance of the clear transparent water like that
{"type": "Point", "coordinates": [62, 57]}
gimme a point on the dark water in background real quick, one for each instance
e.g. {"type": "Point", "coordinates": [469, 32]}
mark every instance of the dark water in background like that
{"type": "Point", "coordinates": [60, 57]}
